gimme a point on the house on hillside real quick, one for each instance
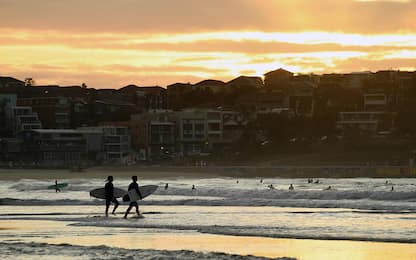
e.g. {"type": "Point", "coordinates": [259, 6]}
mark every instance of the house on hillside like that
{"type": "Point", "coordinates": [175, 94]}
{"type": "Point", "coordinates": [245, 83]}
{"type": "Point", "coordinates": [277, 79]}
{"type": "Point", "coordinates": [146, 98]}
{"type": "Point", "coordinates": [210, 85]}
{"type": "Point", "coordinates": [9, 82]}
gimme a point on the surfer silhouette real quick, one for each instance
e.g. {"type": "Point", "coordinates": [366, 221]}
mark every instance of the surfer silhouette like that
{"type": "Point", "coordinates": [291, 187]}
{"type": "Point", "coordinates": [193, 187]}
{"type": "Point", "coordinates": [133, 186]}
{"type": "Point", "coordinates": [109, 195]}
{"type": "Point", "coordinates": [57, 189]}
{"type": "Point", "coordinates": [166, 186]}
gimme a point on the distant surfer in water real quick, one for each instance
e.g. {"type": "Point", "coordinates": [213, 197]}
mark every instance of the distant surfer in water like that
{"type": "Point", "coordinates": [57, 189]}
{"type": "Point", "coordinates": [166, 186]}
{"type": "Point", "coordinates": [133, 186]}
{"type": "Point", "coordinates": [193, 187]}
{"type": "Point", "coordinates": [109, 195]}
{"type": "Point", "coordinates": [291, 187]}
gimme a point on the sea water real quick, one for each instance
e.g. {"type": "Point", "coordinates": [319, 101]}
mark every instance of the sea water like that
{"type": "Point", "coordinates": [358, 209]}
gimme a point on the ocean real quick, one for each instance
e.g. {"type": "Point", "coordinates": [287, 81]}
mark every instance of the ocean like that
{"type": "Point", "coordinates": [220, 219]}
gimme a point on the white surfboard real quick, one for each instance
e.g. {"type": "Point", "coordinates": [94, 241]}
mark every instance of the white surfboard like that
{"type": "Point", "coordinates": [145, 191]}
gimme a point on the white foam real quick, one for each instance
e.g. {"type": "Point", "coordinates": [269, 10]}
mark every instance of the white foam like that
{"type": "Point", "coordinates": [345, 193]}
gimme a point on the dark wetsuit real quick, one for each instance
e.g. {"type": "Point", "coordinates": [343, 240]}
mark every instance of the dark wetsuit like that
{"type": "Point", "coordinates": [109, 197]}
{"type": "Point", "coordinates": [57, 189]}
{"type": "Point", "coordinates": [133, 186]}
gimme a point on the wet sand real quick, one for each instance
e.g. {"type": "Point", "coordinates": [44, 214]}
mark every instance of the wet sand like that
{"type": "Point", "coordinates": [167, 240]}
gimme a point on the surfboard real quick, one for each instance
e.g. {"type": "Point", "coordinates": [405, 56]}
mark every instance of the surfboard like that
{"type": "Point", "coordinates": [100, 193]}
{"type": "Point", "coordinates": [60, 185]}
{"type": "Point", "coordinates": [145, 191]}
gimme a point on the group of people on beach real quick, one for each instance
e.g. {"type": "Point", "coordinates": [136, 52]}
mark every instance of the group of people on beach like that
{"type": "Point", "coordinates": [291, 187]}
{"type": "Point", "coordinates": [109, 196]}
{"type": "Point", "coordinates": [310, 180]}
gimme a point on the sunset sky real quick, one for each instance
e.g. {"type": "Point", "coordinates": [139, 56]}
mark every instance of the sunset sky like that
{"type": "Point", "coordinates": [112, 43]}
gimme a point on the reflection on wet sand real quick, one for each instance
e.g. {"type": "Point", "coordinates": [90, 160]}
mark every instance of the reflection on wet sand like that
{"type": "Point", "coordinates": [56, 232]}
{"type": "Point", "coordinates": [267, 247]}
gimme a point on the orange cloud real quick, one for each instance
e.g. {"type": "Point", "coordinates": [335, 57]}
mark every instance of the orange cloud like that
{"type": "Point", "coordinates": [160, 16]}
{"type": "Point", "coordinates": [116, 42]}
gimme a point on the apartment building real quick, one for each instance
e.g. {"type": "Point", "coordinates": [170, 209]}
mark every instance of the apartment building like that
{"type": "Point", "coordinates": [23, 118]}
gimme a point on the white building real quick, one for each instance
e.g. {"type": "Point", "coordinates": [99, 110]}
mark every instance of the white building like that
{"type": "Point", "coordinates": [23, 118]}
{"type": "Point", "coordinates": [365, 121]}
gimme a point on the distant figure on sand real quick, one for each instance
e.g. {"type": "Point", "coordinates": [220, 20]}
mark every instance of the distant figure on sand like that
{"type": "Point", "coordinates": [193, 187]}
{"type": "Point", "coordinates": [291, 187]}
{"type": "Point", "coordinates": [133, 186]}
{"type": "Point", "coordinates": [392, 188]}
{"type": "Point", "coordinates": [166, 186]}
{"type": "Point", "coordinates": [57, 189]}
{"type": "Point", "coordinates": [271, 187]}
{"type": "Point", "coordinates": [109, 195]}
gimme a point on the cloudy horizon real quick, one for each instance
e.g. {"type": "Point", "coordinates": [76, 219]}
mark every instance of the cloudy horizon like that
{"type": "Point", "coordinates": [109, 44]}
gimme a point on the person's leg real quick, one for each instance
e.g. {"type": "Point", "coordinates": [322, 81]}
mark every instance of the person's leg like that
{"type": "Point", "coordinates": [115, 201]}
{"type": "Point", "coordinates": [137, 210]}
{"type": "Point", "coordinates": [128, 211]}
{"type": "Point", "coordinates": [107, 205]}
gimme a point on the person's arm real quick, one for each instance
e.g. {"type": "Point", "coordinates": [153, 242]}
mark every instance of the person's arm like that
{"type": "Point", "coordinates": [112, 191]}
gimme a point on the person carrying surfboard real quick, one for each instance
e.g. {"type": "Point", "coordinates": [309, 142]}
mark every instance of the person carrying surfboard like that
{"type": "Point", "coordinates": [133, 186]}
{"type": "Point", "coordinates": [109, 195]}
{"type": "Point", "coordinates": [57, 189]}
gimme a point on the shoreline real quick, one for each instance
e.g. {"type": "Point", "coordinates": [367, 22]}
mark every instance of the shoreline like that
{"type": "Point", "coordinates": [289, 171]}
